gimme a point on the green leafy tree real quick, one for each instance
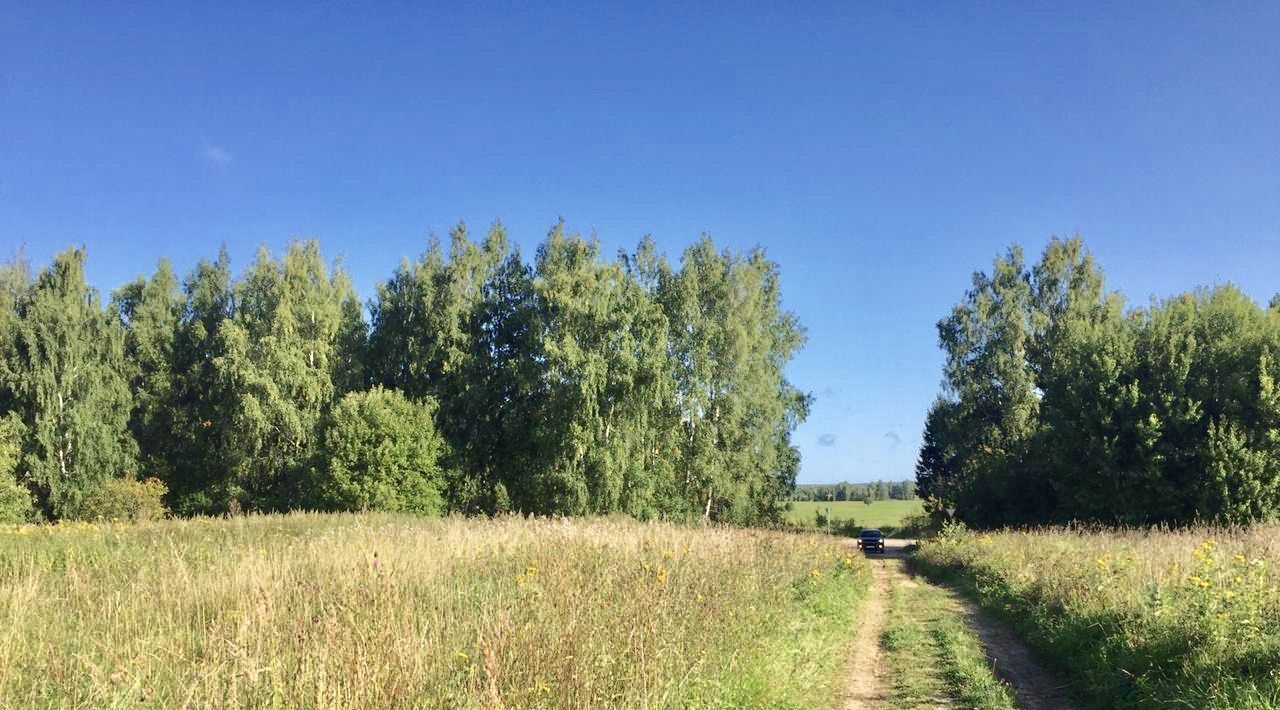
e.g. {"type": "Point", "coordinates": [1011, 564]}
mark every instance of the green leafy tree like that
{"type": "Point", "coordinates": [278, 357]}
{"type": "Point", "coordinates": [1059, 405]}
{"type": "Point", "coordinates": [730, 341]}
{"type": "Point", "coordinates": [71, 388]}
{"type": "Point", "coordinates": [15, 288]}
{"type": "Point", "coordinates": [457, 329]}
{"type": "Point", "coordinates": [149, 311]}
{"type": "Point", "coordinates": [987, 374]}
{"type": "Point", "coordinates": [604, 353]}
{"type": "Point", "coordinates": [199, 418]}
{"type": "Point", "coordinates": [1092, 440]}
{"type": "Point", "coordinates": [490, 390]}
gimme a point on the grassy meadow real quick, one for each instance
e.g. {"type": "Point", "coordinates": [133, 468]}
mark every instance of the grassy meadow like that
{"type": "Point", "coordinates": [311, 610]}
{"type": "Point", "coordinates": [1187, 618]}
{"type": "Point", "coordinates": [880, 514]}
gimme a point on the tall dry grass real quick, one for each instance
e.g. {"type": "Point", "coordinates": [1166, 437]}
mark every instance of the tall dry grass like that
{"type": "Point", "coordinates": [1140, 618]}
{"type": "Point", "coordinates": [377, 611]}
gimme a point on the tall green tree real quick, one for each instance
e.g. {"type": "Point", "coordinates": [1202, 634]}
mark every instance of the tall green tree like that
{"type": "Point", "coordinates": [1237, 465]}
{"type": "Point", "coordinates": [987, 374]}
{"type": "Point", "coordinates": [603, 347]}
{"type": "Point", "coordinates": [15, 289]}
{"type": "Point", "coordinates": [279, 355]}
{"type": "Point", "coordinates": [71, 388]}
{"type": "Point", "coordinates": [1062, 406]}
{"type": "Point", "coordinates": [458, 328]}
{"type": "Point", "coordinates": [199, 476]}
{"type": "Point", "coordinates": [404, 343]}
{"type": "Point", "coordinates": [497, 393]}
{"type": "Point", "coordinates": [1092, 444]}
{"type": "Point", "coordinates": [149, 311]}
{"type": "Point", "coordinates": [730, 342]}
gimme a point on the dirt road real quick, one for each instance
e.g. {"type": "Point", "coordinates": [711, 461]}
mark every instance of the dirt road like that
{"type": "Point", "coordinates": [1033, 687]}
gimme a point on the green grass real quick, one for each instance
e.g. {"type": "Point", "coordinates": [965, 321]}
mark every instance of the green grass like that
{"type": "Point", "coordinates": [880, 514]}
{"type": "Point", "coordinates": [1136, 618]}
{"type": "Point", "coordinates": [933, 656]}
{"type": "Point", "coordinates": [312, 610]}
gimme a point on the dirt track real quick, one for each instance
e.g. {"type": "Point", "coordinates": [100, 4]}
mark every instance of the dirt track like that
{"type": "Point", "coordinates": [863, 689]}
{"type": "Point", "coordinates": [1032, 686]}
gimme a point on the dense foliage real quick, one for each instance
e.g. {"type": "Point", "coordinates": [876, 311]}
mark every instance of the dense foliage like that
{"type": "Point", "coordinates": [475, 381]}
{"type": "Point", "coordinates": [383, 453]}
{"type": "Point", "coordinates": [1060, 404]}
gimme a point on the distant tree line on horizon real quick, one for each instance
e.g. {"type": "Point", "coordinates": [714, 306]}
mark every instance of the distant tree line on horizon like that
{"type": "Point", "coordinates": [1059, 403]}
{"type": "Point", "coordinates": [477, 382]}
{"type": "Point", "coordinates": [872, 491]}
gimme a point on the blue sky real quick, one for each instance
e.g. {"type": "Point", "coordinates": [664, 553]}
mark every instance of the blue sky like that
{"type": "Point", "coordinates": [880, 151]}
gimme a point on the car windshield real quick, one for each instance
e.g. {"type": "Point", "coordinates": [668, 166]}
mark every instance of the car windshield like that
{"type": "Point", "coordinates": [871, 533]}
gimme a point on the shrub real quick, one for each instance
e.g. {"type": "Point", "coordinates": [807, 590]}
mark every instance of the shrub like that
{"type": "Point", "coordinates": [126, 499]}
{"type": "Point", "coordinates": [382, 453]}
{"type": "Point", "coordinates": [917, 525]}
{"type": "Point", "coordinates": [15, 500]}
{"type": "Point", "coordinates": [847, 527]}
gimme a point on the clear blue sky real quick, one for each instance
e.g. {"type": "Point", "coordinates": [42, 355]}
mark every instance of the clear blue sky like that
{"type": "Point", "coordinates": [880, 151]}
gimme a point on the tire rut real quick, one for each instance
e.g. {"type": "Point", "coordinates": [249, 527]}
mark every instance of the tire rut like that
{"type": "Point", "coordinates": [1034, 688]}
{"type": "Point", "coordinates": [863, 689]}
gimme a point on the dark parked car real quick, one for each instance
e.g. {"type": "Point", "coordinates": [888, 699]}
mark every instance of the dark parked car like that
{"type": "Point", "coordinates": [871, 540]}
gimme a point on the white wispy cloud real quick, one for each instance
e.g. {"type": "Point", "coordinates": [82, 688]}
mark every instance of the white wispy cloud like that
{"type": "Point", "coordinates": [217, 157]}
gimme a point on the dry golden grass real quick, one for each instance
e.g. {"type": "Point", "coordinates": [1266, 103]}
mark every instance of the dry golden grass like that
{"type": "Point", "coordinates": [377, 611]}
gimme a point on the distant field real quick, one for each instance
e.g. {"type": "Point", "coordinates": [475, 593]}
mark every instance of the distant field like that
{"type": "Point", "coordinates": [880, 513]}
{"type": "Point", "coordinates": [391, 611]}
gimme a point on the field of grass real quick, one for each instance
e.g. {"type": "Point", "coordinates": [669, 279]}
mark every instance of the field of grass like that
{"type": "Point", "coordinates": [379, 611]}
{"type": "Point", "coordinates": [880, 514]}
{"type": "Point", "coordinates": [1187, 618]}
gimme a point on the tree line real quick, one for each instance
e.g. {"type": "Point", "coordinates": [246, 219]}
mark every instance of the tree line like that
{"type": "Point", "coordinates": [1060, 403]}
{"type": "Point", "coordinates": [472, 381]}
{"type": "Point", "coordinates": [875, 490]}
